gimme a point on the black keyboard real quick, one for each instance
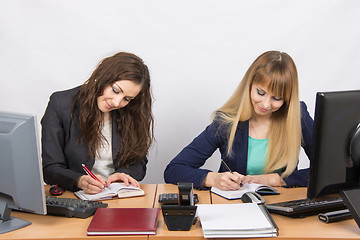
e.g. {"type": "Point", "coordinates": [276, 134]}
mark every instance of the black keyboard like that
{"type": "Point", "coordinates": [306, 207]}
{"type": "Point", "coordinates": [72, 207]}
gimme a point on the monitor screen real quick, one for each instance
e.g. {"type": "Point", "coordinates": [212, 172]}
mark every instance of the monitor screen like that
{"type": "Point", "coordinates": [21, 180]}
{"type": "Point", "coordinates": [337, 115]}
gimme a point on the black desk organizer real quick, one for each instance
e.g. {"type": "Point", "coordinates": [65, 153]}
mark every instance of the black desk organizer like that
{"type": "Point", "coordinates": [179, 218]}
{"type": "Point", "coordinates": [182, 216]}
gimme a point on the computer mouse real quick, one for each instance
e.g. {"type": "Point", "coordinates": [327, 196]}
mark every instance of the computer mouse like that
{"type": "Point", "coordinates": [56, 190]}
{"type": "Point", "coordinates": [252, 197]}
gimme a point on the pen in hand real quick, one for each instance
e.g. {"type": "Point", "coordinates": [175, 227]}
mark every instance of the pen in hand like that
{"type": "Point", "coordinates": [88, 172]}
{"type": "Point", "coordinates": [227, 167]}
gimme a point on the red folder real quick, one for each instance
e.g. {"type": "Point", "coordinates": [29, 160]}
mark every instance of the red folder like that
{"type": "Point", "coordinates": [124, 221]}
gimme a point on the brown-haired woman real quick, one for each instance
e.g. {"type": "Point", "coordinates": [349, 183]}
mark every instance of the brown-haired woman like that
{"type": "Point", "coordinates": [106, 124]}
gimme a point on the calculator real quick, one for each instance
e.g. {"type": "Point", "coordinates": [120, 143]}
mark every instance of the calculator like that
{"type": "Point", "coordinates": [172, 198]}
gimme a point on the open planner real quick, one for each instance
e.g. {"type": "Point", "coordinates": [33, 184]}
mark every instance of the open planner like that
{"type": "Point", "coordinates": [248, 187]}
{"type": "Point", "coordinates": [118, 190]}
{"type": "Point", "coordinates": [246, 220]}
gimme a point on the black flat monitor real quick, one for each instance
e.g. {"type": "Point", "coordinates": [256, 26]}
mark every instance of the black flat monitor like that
{"type": "Point", "coordinates": [21, 179]}
{"type": "Point", "coordinates": [332, 169]}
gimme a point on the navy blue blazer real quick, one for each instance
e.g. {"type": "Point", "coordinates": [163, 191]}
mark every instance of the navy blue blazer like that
{"type": "Point", "coordinates": [62, 154]}
{"type": "Point", "coordinates": [185, 167]}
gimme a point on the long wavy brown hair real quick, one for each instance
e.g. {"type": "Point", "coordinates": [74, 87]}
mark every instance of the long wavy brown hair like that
{"type": "Point", "coordinates": [135, 121]}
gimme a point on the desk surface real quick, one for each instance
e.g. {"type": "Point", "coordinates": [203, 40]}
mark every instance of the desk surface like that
{"type": "Point", "coordinates": [53, 227]}
{"type": "Point", "coordinates": [303, 228]}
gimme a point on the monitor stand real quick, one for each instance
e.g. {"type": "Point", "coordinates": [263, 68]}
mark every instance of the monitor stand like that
{"type": "Point", "coordinates": [8, 223]}
{"type": "Point", "coordinates": [351, 199]}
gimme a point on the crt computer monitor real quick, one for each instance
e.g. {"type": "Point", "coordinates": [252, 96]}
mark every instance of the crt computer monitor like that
{"type": "Point", "coordinates": [337, 115]}
{"type": "Point", "coordinates": [21, 180]}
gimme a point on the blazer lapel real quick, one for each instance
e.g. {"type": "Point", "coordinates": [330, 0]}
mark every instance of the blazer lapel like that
{"type": "Point", "coordinates": [241, 146]}
{"type": "Point", "coordinates": [116, 139]}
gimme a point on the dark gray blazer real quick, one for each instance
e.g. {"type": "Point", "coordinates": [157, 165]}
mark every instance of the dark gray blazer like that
{"type": "Point", "coordinates": [62, 154]}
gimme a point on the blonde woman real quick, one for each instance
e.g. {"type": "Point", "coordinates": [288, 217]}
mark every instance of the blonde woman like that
{"type": "Point", "coordinates": [258, 131]}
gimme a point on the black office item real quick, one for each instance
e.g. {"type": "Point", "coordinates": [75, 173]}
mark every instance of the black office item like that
{"type": "Point", "coordinates": [56, 190]}
{"type": "Point", "coordinates": [335, 216]}
{"type": "Point", "coordinates": [306, 207]}
{"type": "Point", "coordinates": [334, 147]}
{"type": "Point", "coordinates": [335, 137]}
{"type": "Point", "coordinates": [172, 198]}
{"type": "Point", "coordinates": [181, 216]}
{"type": "Point", "coordinates": [354, 146]}
{"type": "Point", "coordinates": [178, 217]}
{"type": "Point", "coordinates": [72, 207]}
{"type": "Point", "coordinates": [352, 201]}
{"type": "Point", "coordinates": [252, 197]}
{"type": "Point", "coordinates": [186, 194]}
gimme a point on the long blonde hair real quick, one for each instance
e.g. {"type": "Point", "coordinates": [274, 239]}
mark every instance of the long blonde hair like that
{"type": "Point", "coordinates": [276, 70]}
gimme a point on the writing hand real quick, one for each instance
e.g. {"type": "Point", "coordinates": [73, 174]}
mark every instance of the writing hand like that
{"type": "Point", "coordinates": [90, 185]}
{"type": "Point", "coordinates": [224, 181]}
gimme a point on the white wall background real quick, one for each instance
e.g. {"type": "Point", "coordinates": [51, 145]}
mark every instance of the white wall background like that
{"type": "Point", "coordinates": [197, 52]}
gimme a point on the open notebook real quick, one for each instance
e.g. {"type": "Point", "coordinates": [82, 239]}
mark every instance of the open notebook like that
{"type": "Point", "coordinates": [248, 187]}
{"type": "Point", "coordinates": [246, 220]}
{"type": "Point", "coordinates": [119, 190]}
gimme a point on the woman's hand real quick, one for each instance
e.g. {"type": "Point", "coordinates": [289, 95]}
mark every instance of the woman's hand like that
{"type": "Point", "coordinates": [224, 181]}
{"type": "Point", "coordinates": [116, 177]}
{"type": "Point", "coordinates": [90, 185]}
{"type": "Point", "coordinates": [272, 179]}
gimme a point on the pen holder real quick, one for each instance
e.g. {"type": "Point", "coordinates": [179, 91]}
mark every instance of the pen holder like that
{"type": "Point", "coordinates": [179, 217]}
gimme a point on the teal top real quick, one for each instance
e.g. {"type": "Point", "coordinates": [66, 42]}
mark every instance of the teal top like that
{"type": "Point", "coordinates": [256, 156]}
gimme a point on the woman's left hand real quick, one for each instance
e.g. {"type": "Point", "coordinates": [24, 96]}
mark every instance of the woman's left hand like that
{"type": "Point", "coordinates": [272, 179]}
{"type": "Point", "coordinates": [127, 179]}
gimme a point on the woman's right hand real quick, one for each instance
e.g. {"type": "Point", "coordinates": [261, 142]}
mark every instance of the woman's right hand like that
{"type": "Point", "coordinates": [224, 180]}
{"type": "Point", "coordinates": [90, 185]}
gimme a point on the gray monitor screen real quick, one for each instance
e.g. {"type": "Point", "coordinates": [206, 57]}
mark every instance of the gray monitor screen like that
{"type": "Point", "coordinates": [21, 179]}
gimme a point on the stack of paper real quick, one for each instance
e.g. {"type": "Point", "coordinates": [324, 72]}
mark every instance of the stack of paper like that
{"type": "Point", "coordinates": [244, 220]}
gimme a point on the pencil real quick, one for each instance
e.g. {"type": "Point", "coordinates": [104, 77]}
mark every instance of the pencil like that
{"type": "Point", "coordinates": [226, 166]}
